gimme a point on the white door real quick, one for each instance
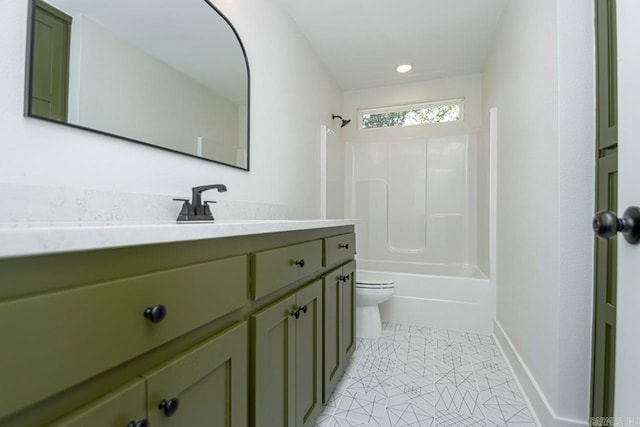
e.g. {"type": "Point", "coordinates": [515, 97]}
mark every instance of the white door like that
{"type": "Point", "coordinates": [627, 388]}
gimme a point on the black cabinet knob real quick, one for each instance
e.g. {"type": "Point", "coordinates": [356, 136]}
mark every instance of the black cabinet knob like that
{"type": "Point", "coordinates": [345, 246]}
{"type": "Point", "coordinates": [156, 313]}
{"type": "Point", "coordinates": [169, 407]}
{"type": "Point", "coordinates": [303, 309]}
{"type": "Point", "coordinates": [299, 262]}
{"type": "Point", "coordinates": [606, 224]}
{"type": "Point", "coordinates": [344, 278]}
{"type": "Point", "coordinates": [141, 423]}
{"type": "Point", "coordinates": [296, 314]}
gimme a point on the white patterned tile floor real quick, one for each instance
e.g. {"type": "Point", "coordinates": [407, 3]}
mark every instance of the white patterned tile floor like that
{"type": "Point", "coordinates": [423, 377]}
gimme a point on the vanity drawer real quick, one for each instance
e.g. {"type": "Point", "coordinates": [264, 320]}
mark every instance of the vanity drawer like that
{"type": "Point", "coordinates": [55, 340]}
{"type": "Point", "coordinates": [277, 268]}
{"type": "Point", "coordinates": [115, 409]}
{"type": "Point", "coordinates": [339, 248]}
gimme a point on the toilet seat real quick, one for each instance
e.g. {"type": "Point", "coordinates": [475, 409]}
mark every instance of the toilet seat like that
{"type": "Point", "coordinates": [375, 284]}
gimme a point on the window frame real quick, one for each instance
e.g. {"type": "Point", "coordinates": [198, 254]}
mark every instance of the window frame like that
{"type": "Point", "coordinates": [408, 107]}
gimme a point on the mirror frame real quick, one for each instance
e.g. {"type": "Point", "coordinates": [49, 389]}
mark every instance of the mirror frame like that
{"type": "Point", "coordinates": [29, 77]}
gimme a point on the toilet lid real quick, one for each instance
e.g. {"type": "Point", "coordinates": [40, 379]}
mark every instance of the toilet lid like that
{"type": "Point", "coordinates": [375, 284]}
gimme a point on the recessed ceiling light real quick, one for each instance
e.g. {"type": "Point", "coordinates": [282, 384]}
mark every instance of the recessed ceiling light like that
{"type": "Point", "coordinates": [403, 68]}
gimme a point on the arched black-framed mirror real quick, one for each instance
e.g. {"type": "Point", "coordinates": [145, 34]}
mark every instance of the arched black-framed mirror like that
{"type": "Point", "coordinates": [172, 74]}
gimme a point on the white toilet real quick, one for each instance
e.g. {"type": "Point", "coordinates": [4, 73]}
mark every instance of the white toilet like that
{"type": "Point", "coordinates": [370, 292]}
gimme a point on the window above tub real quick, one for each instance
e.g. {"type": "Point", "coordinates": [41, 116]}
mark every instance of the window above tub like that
{"type": "Point", "coordinates": [450, 110]}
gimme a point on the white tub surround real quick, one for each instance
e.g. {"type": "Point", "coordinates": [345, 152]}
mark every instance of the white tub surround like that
{"type": "Point", "coordinates": [23, 239]}
{"type": "Point", "coordinates": [414, 187]}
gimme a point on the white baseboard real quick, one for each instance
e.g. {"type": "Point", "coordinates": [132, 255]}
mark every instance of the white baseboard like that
{"type": "Point", "coordinates": [546, 416]}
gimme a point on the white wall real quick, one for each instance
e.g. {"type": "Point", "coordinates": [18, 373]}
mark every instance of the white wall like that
{"type": "Point", "coordinates": [540, 76]}
{"type": "Point", "coordinates": [291, 96]}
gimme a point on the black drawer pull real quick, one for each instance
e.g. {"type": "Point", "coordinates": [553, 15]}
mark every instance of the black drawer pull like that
{"type": "Point", "coordinates": [295, 314]}
{"type": "Point", "coordinates": [142, 423]}
{"type": "Point", "coordinates": [299, 262]}
{"type": "Point", "coordinates": [169, 407]}
{"type": "Point", "coordinates": [345, 246]}
{"type": "Point", "coordinates": [303, 308]}
{"type": "Point", "coordinates": [156, 313]}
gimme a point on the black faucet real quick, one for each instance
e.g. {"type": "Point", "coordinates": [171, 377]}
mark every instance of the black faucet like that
{"type": "Point", "coordinates": [198, 210]}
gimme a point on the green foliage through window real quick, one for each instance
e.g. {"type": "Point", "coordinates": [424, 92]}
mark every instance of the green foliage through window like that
{"type": "Point", "coordinates": [416, 116]}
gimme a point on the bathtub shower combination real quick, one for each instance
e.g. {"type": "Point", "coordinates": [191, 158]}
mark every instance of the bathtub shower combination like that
{"type": "Point", "coordinates": [417, 203]}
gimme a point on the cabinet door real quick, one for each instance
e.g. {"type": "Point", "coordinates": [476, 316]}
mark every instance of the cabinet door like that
{"type": "Point", "coordinates": [309, 355]}
{"type": "Point", "coordinates": [332, 309]}
{"type": "Point", "coordinates": [205, 387]}
{"type": "Point", "coordinates": [116, 409]}
{"type": "Point", "coordinates": [273, 385]}
{"type": "Point", "coordinates": [348, 310]}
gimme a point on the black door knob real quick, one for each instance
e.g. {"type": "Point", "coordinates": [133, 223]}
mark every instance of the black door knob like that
{"type": "Point", "coordinates": [606, 224]}
{"type": "Point", "coordinates": [169, 407]}
{"type": "Point", "coordinates": [300, 263]}
{"type": "Point", "coordinates": [345, 246]}
{"type": "Point", "coordinates": [303, 309]}
{"type": "Point", "coordinates": [296, 314]}
{"type": "Point", "coordinates": [156, 313]}
{"type": "Point", "coordinates": [141, 423]}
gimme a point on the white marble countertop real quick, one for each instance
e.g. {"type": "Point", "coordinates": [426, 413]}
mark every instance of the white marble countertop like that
{"type": "Point", "coordinates": [22, 239]}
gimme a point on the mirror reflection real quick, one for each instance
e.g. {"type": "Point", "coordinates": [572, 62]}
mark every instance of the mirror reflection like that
{"type": "Point", "coordinates": [167, 73]}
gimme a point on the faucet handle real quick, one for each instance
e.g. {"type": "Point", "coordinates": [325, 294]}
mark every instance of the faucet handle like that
{"type": "Point", "coordinates": [185, 211]}
{"type": "Point", "coordinates": [207, 208]}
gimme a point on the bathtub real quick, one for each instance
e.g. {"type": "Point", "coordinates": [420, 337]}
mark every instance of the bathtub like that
{"type": "Point", "coordinates": [442, 296]}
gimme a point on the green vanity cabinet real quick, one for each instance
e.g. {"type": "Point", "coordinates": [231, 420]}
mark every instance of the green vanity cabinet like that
{"type": "Point", "coordinates": [339, 339]}
{"type": "Point", "coordinates": [287, 360]}
{"type": "Point", "coordinates": [231, 331]}
{"type": "Point", "coordinates": [205, 387]}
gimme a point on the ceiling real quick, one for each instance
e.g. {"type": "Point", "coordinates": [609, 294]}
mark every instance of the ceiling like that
{"type": "Point", "coordinates": [362, 41]}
